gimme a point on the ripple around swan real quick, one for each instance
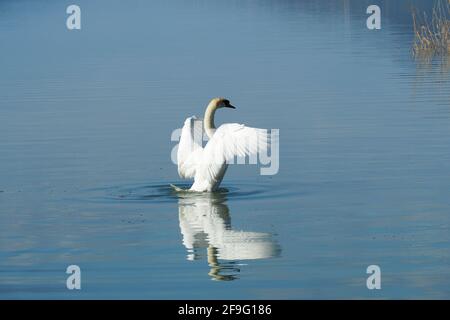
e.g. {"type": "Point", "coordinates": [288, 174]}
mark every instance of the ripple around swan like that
{"type": "Point", "coordinates": [163, 192]}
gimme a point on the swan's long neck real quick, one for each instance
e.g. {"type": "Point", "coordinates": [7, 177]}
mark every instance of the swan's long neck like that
{"type": "Point", "coordinates": [210, 128]}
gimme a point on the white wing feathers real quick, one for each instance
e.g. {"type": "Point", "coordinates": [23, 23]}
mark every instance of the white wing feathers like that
{"type": "Point", "coordinates": [229, 141]}
{"type": "Point", "coordinates": [208, 165]}
{"type": "Point", "coordinates": [190, 147]}
{"type": "Point", "coordinates": [236, 140]}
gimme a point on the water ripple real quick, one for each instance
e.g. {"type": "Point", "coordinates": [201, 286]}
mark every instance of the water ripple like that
{"type": "Point", "coordinates": [163, 193]}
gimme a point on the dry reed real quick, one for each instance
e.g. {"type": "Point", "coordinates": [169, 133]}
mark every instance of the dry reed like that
{"type": "Point", "coordinates": [432, 36]}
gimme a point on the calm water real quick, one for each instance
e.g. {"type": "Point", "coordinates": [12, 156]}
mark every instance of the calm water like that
{"type": "Point", "coordinates": [85, 124]}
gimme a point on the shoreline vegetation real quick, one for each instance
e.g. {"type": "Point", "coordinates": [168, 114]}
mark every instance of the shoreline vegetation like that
{"type": "Point", "coordinates": [432, 34]}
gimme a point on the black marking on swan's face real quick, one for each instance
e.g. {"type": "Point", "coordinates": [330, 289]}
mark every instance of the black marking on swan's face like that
{"type": "Point", "coordinates": [226, 104]}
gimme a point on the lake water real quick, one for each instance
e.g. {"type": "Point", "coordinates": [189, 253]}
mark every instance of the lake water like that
{"type": "Point", "coordinates": [86, 118]}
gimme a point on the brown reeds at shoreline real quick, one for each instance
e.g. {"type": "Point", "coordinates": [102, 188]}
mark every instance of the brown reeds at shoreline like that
{"type": "Point", "coordinates": [432, 34]}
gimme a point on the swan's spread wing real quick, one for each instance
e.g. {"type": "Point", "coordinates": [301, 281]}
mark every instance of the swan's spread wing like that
{"type": "Point", "coordinates": [190, 147]}
{"type": "Point", "coordinates": [229, 141]}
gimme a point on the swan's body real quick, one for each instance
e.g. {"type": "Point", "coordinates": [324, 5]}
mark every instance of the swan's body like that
{"type": "Point", "coordinates": [208, 165]}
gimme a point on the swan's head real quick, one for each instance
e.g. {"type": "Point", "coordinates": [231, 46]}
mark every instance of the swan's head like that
{"type": "Point", "coordinates": [221, 103]}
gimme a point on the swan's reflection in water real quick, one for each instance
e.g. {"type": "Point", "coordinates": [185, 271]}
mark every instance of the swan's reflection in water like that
{"type": "Point", "coordinates": [205, 223]}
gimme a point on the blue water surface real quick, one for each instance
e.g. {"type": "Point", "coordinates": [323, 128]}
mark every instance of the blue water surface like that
{"type": "Point", "coordinates": [86, 118]}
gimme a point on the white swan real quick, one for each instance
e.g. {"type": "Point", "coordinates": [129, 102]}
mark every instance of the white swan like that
{"type": "Point", "coordinates": [208, 165]}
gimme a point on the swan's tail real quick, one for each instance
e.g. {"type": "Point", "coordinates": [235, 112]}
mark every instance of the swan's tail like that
{"type": "Point", "coordinates": [178, 189]}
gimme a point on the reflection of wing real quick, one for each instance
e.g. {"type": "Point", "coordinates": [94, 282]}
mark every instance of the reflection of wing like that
{"type": "Point", "coordinates": [194, 212]}
{"type": "Point", "coordinates": [207, 214]}
{"type": "Point", "coordinates": [242, 245]}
